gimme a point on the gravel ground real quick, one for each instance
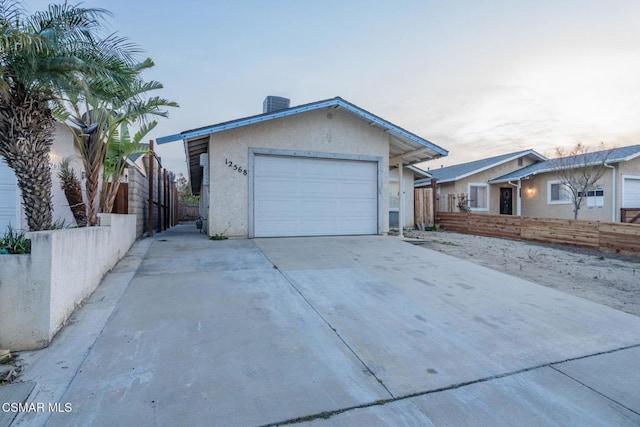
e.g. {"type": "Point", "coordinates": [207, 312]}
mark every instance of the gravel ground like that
{"type": "Point", "coordinates": [612, 280]}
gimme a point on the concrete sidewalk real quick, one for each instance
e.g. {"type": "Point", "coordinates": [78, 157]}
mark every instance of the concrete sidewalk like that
{"type": "Point", "coordinates": [335, 331]}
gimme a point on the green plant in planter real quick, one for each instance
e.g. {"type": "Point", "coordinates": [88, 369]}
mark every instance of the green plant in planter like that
{"type": "Point", "coordinates": [14, 242]}
{"type": "Point", "coordinates": [218, 237]}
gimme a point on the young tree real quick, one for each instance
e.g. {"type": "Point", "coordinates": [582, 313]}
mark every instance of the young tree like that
{"type": "Point", "coordinates": [96, 112]}
{"type": "Point", "coordinates": [41, 55]}
{"type": "Point", "coordinates": [184, 190]}
{"type": "Point", "coordinates": [120, 146]}
{"type": "Point", "coordinates": [579, 169]}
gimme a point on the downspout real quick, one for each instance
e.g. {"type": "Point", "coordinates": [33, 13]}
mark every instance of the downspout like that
{"type": "Point", "coordinates": [401, 203]}
{"type": "Point", "coordinates": [614, 196]}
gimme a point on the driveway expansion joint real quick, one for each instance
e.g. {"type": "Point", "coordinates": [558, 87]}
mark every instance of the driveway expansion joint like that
{"type": "Point", "coordinates": [366, 367]}
{"type": "Point", "coordinates": [594, 390]}
{"type": "Point", "coordinates": [328, 414]}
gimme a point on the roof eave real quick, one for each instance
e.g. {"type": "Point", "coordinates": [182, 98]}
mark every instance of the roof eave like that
{"type": "Point", "coordinates": [396, 131]}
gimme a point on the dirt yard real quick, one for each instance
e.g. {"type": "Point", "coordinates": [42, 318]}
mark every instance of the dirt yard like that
{"type": "Point", "coordinates": [607, 279]}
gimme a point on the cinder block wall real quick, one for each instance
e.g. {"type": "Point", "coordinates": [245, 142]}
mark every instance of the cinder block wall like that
{"type": "Point", "coordinates": [138, 199]}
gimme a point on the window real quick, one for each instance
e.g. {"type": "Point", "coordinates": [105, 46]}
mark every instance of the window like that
{"type": "Point", "coordinates": [558, 193]}
{"type": "Point", "coordinates": [520, 161]}
{"type": "Point", "coordinates": [595, 197]}
{"type": "Point", "coordinates": [479, 197]}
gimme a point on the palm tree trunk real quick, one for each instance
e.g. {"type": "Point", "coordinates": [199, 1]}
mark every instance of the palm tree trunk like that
{"type": "Point", "coordinates": [26, 134]}
{"type": "Point", "coordinates": [93, 160]}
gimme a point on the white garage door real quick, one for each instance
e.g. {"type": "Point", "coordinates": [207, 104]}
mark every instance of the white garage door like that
{"type": "Point", "coordinates": [301, 196]}
{"type": "Point", "coordinates": [631, 196]}
{"type": "Point", "coordinates": [8, 198]}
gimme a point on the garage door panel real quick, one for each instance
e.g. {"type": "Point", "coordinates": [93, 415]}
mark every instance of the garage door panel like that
{"type": "Point", "coordinates": [281, 227]}
{"type": "Point", "coordinates": [276, 186]}
{"type": "Point", "coordinates": [315, 188]}
{"type": "Point", "coordinates": [270, 166]}
{"type": "Point", "coordinates": [332, 197]}
{"type": "Point", "coordinates": [318, 227]}
{"type": "Point", "coordinates": [318, 168]}
{"type": "Point", "coordinates": [356, 170]}
{"type": "Point", "coordinates": [317, 208]}
{"type": "Point", "coordinates": [350, 208]}
{"type": "Point", "coordinates": [356, 189]}
{"type": "Point", "coordinates": [353, 226]}
{"type": "Point", "coordinates": [272, 207]}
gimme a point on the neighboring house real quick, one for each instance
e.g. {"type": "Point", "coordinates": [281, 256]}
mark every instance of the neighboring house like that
{"type": "Point", "coordinates": [316, 169]}
{"type": "Point", "coordinates": [543, 194]}
{"type": "Point", "coordinates": [11, 210]}
{"type": "Point", "coordinates": [473, 180]}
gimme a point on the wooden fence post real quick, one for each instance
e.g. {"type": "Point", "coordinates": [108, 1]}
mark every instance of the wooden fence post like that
{"type": "Point", "coordinates": [151, 158]}
{"type": "Point", "coordinates": [159, 195]}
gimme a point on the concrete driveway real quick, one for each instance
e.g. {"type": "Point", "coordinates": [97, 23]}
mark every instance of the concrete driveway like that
{"type": "Point", "coordinates": [341, 331]}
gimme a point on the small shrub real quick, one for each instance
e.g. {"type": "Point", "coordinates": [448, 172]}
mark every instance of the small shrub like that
{"type": "Point", "coordinates": [14, 242]}
{"type": "Point", "coordinates": [218, 237]}
{"type": "Point", "coordinates": [60, 224]}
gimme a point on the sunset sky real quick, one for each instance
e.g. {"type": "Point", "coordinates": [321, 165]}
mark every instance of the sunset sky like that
{"type": "Point", "coordinates": [478, 78]}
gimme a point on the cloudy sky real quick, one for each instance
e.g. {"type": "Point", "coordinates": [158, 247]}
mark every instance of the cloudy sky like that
{"type": "Point", "coordinates": [477, 77]}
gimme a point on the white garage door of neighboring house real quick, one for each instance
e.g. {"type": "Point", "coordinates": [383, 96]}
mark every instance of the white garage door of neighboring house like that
{"type": "Point", "coordinates": [302, 196]}
{"type": "Point", "coordinates": [9, 203]}
{"type": "Point", "coordinates": [631, 192]}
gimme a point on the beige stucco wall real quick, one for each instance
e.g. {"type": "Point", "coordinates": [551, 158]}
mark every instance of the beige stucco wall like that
{"type": "Point", "coordinates": [534, 196]}
{"type": "Point", "coordinates": [462, 185]}
{"type": "Point", "coordinates": [326, 130]}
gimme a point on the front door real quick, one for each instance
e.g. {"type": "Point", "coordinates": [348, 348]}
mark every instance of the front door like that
{"type": "Point", "coordinates": [506, 201]}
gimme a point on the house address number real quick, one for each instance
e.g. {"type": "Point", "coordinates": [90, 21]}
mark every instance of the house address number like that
{"type": "Point", "coordinates": [235, 167]}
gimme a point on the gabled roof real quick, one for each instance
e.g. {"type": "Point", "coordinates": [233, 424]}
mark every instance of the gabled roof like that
{"type": "Point", "coordinates": [404, 145]}
{"type": "Point", "coordinates": [617, 155]}
{"type": "Point", "coordinates": [463, 170]}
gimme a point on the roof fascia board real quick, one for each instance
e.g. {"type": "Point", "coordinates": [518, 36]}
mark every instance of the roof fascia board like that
{"type": "Point", "coordinates": [629, 157]}
{"type": "Point", "coordinates": [246, 121]}
{"type": "Point", "coordinates": [493, 165]}
{"type": "Point", "coordinates": [304, 108]}
{"type": "Point", "coordinates": [393, 128]}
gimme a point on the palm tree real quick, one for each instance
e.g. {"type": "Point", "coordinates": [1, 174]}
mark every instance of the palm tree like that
{"type": "Point", "coordinates": [120, 147]}
{"type": "Point", "coordinates": [40, 55]}
{"type": "Point", "coordinates": [72, 188]}
{"type": "Point", "coordinates": [96, 113]}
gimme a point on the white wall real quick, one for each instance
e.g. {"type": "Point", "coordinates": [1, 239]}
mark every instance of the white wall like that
{"type": "Point", "coordinates": [63, 146]}
{"type": "Point", "coordinates": [38, 292]}
{"type": "Point", "coordinates": [408, 197]}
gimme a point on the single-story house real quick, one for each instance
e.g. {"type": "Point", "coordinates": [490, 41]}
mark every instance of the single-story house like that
{"type": "Point", "coordinates": [543, 194]}
{"type": "Point", "coordinates": [472, 180]}
{"type": "Point", "coordinates": [526, 183]}
{"type": "Point", "coordinates": [11, 210]}
{"type": "Point", "coordinates": [321, 168]}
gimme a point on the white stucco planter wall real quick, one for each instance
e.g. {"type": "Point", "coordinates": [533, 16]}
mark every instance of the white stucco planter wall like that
{"type": "Point", "coordinates": [39, 291]}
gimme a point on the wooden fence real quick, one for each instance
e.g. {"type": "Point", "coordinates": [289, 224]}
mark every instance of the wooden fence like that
{"type": "Point", "coordinates": [188, 211]}
{"type": "Point", "coordinates": [630, 215]}
{"type": "Point", "coordinates": [604, 236]}
{"type": "Point", "coordinates": [423, 208]}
